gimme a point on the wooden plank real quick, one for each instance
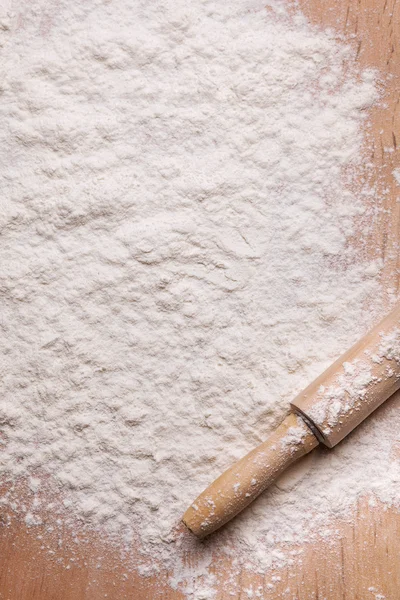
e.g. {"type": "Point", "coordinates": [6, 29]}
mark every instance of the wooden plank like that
{"type": "Point", "coordinates": [373, 28]}
{"type": "Point", "coordinates": [362, 562]}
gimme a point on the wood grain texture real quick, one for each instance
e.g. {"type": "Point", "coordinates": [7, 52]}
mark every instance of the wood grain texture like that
{"type": "Point", "coordinates": [363, 561]}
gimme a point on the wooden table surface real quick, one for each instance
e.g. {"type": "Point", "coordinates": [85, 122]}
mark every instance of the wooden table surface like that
{"type": "Point", "coordinates": [364, 560]}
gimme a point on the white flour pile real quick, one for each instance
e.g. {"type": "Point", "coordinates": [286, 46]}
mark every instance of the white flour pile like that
{"type": "Point", "coordinates": [175, 225]}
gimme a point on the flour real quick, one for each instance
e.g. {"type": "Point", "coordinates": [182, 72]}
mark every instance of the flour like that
{"type": "Point", "coordinates": [295, 435]}
{"type": "Point", "coordinates": [176, 219]}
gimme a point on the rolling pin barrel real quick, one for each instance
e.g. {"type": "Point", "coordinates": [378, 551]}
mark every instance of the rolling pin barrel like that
{"type": "Point", "coordinates": [326, 411]}
{"type": "Point", "coordinates": [355, 385]}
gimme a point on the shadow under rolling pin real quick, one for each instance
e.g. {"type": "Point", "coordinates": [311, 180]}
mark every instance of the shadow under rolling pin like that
{"type": "Point", "coordinates": [325, 412]}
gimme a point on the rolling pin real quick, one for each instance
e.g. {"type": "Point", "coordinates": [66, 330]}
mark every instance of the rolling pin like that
{"type": "Point", "coordinates": [325, 412]}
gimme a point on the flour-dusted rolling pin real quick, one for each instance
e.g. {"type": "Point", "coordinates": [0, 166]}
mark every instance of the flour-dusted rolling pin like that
{"type": "Point", "coordinates": [325, 412]}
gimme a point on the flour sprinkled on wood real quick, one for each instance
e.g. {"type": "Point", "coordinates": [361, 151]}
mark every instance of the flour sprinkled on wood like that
{"type": "Point", "coordinates": [179, 200]}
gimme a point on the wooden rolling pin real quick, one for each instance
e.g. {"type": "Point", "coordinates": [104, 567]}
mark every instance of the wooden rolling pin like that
{"type": "Point", "coordinates": [325, 412]}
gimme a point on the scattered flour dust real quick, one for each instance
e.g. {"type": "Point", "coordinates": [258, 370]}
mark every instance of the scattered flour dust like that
{"type": "Point", "coordinates": [175, 224]}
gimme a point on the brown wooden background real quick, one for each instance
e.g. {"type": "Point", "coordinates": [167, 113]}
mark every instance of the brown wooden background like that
{"type": "Point", "coordinates": [364, 561]}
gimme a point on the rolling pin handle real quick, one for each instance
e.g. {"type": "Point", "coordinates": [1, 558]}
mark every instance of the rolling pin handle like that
{"type": "Point", "coordinates": [245, 480]}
